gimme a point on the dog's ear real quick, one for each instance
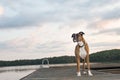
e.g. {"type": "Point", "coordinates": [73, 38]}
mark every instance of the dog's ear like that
{"type": "Point", "coordinates": [81, 33]}
{"type": "Point", "coordinates": [74, 36]}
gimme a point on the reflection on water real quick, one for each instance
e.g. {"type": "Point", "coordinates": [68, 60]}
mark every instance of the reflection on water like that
{"type": "Point", "coordinates": [17, 72]}
{"type": "Point", "coordinates": [14, 75]}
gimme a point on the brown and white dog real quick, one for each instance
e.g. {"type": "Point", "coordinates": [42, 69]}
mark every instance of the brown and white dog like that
{"type": "Point", "coordinates": [81, 50]}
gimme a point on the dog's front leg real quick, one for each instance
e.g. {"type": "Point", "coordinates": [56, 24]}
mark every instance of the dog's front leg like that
{"type": "Point", "coordinates": [77, 50]}
{"type": "Point", "coordinates": [84, 72]}
{"type": "Point", "coordinates": [88, 61]}
{"type": "Point", "coordinates": [88, 65]}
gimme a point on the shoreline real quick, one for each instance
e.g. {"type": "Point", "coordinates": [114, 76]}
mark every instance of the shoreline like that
{"type": "Point", "coordinates": [93, 65]}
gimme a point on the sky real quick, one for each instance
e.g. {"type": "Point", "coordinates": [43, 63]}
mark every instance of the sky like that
{"type": "Point", "coordinates": [34, 29]}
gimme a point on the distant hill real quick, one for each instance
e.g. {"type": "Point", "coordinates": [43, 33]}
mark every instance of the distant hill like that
{"type": "Point", "coordinates": [102, 56]}
{"type": "Point", "coordinates": [106, 56]}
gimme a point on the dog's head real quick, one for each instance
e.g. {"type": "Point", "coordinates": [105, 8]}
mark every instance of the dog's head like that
{"type": "Point", "coordinates": [77, 36]}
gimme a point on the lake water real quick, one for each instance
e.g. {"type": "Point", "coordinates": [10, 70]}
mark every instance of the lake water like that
{"type": "Point", "coordinates": [17, 72]}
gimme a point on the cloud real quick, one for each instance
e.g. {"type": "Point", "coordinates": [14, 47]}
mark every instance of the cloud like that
{"type": "Point", "coordinates": [100, 46]}
{"type": "Point", "coordinates": [19, 21]}
{"type": "Point", "coordinates": [29, 45]}
{"type": "Point", "coordinates": [1, 11]}
{"type": "Point", "coordinates": [3, 46]}
{"type": "Point", "coordinates": [45, 26]}
{"type": "Point", "coordinates": [115, 31]}
{"type": "Point", "coordinates": [32, 13]}
{"type": "Point", "coordinates": [110, 26]}
{"type": "Point", "coordinates": [102, 24]}
{"type": "Point", "coordinates": [23, 13]}
{"type": "Point", "coordinates": [106, 14]}
{"type": "Point", "coordinates": [52, 47]}
{"type": "Point", "coordinates": [113, 14]}
{"type": "Point", "coordinates": [105, 44]}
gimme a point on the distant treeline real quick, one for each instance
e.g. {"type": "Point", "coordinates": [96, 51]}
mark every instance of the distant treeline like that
{"type": "Point", "coordinates": [106, 56]}
{"type": "Point", "coordinates": [102, 56]}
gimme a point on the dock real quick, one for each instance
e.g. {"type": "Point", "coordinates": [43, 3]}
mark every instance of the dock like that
{"type": "Point", "coordinates": [69, 73]}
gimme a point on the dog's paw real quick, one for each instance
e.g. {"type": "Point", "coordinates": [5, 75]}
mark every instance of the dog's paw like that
{"type": "Point", "coordinates": [89, 73]}
{"type": "Point", "coordinates": [78, 74]}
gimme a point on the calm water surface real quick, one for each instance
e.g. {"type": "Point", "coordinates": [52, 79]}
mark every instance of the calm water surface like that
{"type": "Point", "coordinates": [17, 72]}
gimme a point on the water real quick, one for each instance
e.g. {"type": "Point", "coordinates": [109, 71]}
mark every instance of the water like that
{"type": "Point", "coordinates": [17, 72]}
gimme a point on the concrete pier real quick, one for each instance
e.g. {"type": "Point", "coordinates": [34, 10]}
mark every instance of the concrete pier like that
{"type": "Point", "coordinates": [69, 73]}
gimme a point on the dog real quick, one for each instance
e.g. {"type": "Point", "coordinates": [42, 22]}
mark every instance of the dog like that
{"type": "Point", "coordinates": [81, 51]}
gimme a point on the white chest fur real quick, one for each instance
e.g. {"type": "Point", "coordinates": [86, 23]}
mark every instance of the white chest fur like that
{"type": "Point", "coordinates": [83, 52]}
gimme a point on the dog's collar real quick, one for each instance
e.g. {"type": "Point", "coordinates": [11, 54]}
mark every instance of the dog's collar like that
{"type": "Point", "coordinates": [81, 44]}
